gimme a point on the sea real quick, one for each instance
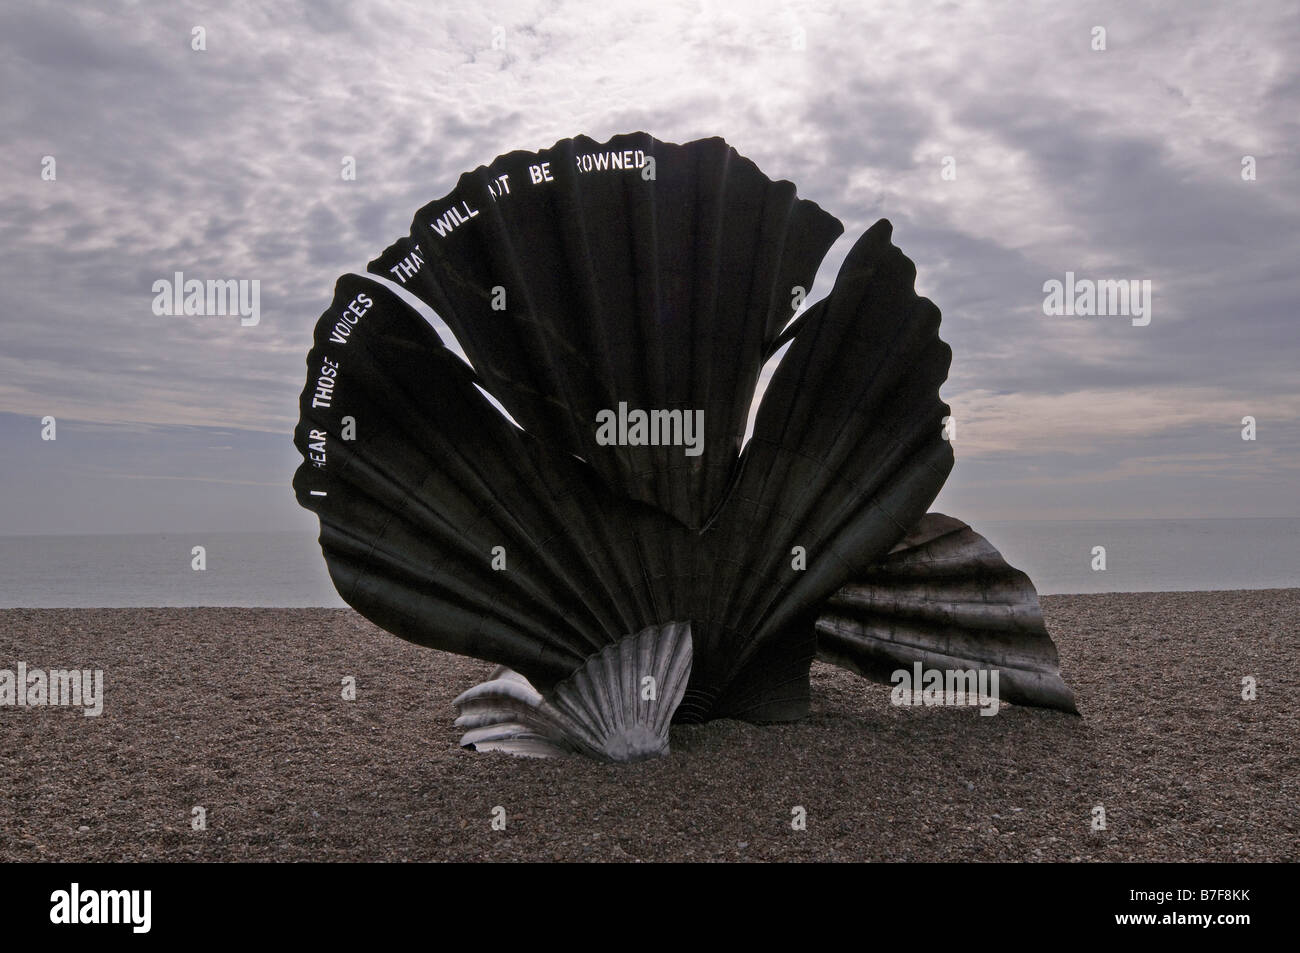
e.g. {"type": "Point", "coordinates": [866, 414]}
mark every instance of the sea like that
{"type": "Point", "coordinates": [287, 569]}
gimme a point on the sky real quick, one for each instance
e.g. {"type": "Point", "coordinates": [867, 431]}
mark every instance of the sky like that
{"type": "Point", "coordinates": [225, 162]}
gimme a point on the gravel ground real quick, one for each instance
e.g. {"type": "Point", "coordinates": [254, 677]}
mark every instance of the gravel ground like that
{"type": "Point", "coordinates": [240, 711]}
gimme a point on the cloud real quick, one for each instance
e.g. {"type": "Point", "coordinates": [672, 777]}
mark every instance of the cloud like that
{"type": "Point", "coordinates": [225, 163]}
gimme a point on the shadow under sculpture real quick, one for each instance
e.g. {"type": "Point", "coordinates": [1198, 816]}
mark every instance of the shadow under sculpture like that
{"type": "Point", "coordinates": [608, 541]}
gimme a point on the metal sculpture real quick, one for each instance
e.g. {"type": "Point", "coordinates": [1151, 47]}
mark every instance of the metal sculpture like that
{"type": "Point", "coordinates": [607, 540]}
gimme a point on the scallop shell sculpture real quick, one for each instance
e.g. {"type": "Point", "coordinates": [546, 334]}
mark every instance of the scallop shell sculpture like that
{"type": "Point", "coordinates": [607, 540]}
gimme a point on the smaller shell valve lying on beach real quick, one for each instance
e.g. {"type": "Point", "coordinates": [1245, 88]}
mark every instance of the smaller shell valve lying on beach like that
{"type": "Point", "coordinates": [610, 540]}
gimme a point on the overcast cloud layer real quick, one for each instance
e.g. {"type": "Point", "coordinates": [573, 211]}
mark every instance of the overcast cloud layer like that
{"type": "Point", "coordinates": [225, 163]}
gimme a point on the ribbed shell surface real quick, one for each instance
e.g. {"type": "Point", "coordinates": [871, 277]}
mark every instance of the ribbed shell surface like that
{"type": "Point", "coordinates": [539, 547]}
{"type": "Point", "coordinates": [946, 598]}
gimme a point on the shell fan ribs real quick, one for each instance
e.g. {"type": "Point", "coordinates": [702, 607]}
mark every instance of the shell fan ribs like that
{"type": "Point", "coordinates": [587, 284]}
